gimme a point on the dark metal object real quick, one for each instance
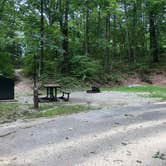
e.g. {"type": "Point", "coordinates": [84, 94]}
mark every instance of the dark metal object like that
{"type": "Point", "coordinates": [6, 88]}
{"type": "Point", "coordinates": [94, 90]}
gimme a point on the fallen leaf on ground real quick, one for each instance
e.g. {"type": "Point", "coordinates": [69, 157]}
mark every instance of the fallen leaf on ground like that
{"type": "Point", "coordinates": [138, 161]}
{"type": "Point", "coordinates": [123, 143]}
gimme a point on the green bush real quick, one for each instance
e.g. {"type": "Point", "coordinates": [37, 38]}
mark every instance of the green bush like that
{"type": "Point", "coordinates": [6, 67]}
{"type": "Point", "coordinates": [84, 68]}
{"type": "Point", "coordinates": [28, 61]}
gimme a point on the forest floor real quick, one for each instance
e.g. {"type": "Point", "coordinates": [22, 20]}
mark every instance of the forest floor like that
{"type": "Point", "coordinates": [125, 129]}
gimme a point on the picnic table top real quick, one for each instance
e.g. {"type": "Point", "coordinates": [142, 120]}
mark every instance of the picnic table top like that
{"type": "Point", "coordinates": [51, 85]}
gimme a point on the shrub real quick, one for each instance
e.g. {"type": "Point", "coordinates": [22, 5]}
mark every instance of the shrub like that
{"type": "Point", "coordinates": [28, 61]}
{"type": "Point", "coordinates": [6, 67]}
{"type": "Point", "coordinates": [84, 68]}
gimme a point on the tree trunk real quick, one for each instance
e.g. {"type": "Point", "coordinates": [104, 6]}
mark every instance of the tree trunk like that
{"type": "Point", "coordinates": [107, 47]}
{"type": "Point", "coordinates": [114, 35]}
{"type": "Point", "coordinates": [98, 31]}
{"type": "Point", "coordinates": [86, 40]}
{"type": "Point", "coordinates": [158, 39]}
{"type": "Point", "coordinates": [35, 89]}
{"type": "Point", "coordinates": [153, 37]}
{"type": "Point", "coordinates": [144, 29]}
{"type": "Point", "coordinates": [127, 32]}
{"type": "Point", "coordinates": [65, 44]}
{"type": "Point", "coordinates": [41, 40]}
{"type": "Point", "coordinates": [123, 43]}
{"type": "Point", "coordinates": [134, 31]}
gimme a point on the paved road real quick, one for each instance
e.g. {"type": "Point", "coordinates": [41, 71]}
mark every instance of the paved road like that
{"type": "Point", "coordinates": [121, 136]}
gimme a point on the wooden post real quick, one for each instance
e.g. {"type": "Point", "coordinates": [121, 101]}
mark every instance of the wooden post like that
{"type": "Point", "coordinates": [35, 89]}
{"type": "Point", "coordinates": [36, 101]}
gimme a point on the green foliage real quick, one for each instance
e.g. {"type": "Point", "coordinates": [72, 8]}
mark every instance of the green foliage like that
{"type": "Point", "coordinates": [142, 68]}
{"type": "Point", "coordinates": [29, 64]}
{"type": "Point", "coordinates": [84, 68]}
{"type": "Point", "coordinates": [68, 81]}
{"type": "Point", "coordinates": [50, 70]}
{"type": "Point", "coordinates": [112, 79]}
{"type": "Point", "coordinates": [89, 32]}
{"type": "Point", "coordinates": [6, 67]}
{"type": "Point", "coordinates": [9, 41]}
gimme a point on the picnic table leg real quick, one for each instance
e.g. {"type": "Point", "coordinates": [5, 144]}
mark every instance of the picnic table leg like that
{"type": "Point", "coordinates": [47, 92]}
{"type": "Point", "coordinates": [56, 94]}
{"type": "Point", "coordinates": [51, 93]}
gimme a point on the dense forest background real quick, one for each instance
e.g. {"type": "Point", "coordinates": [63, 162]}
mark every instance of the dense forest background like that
{"type": "Point", "coordinates": [83, 40]}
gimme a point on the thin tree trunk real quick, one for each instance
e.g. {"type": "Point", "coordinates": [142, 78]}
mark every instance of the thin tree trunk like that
{"type": "Point", "coordinates": [153, 37]}
{"type": "Point", "coordinates": [134, 31]}
{"type": "Point", "coordinates": [123, 50]}
{"type": "Point", "coordinates": [65, 44]}
{"type": "Point", "coordinates": [107, 38]}
{"type": "Point", "coordinates": [158, 39]}
{"type": "Point", "coordinates": [114, 35]}
{"type": "Point", "coordinates": [35, 89]}
{"type": "Point", "coordinates": [41, 39]}
{"type": "Point", "coordinates": [127, 32]}
{"type": "Point", "coordinates": [143, 35]}
{"type": "Point", "coordinates": [98, 30]}
{"type": "Point", "coordinates": [86, 40]}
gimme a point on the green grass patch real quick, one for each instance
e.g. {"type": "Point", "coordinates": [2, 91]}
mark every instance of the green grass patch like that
{"type": "Point", "coordinates": [8, 112]}
{"type": "Point", "coordinates": [59, 110]}
{"type": "Point", "coordinates": [155, 91]}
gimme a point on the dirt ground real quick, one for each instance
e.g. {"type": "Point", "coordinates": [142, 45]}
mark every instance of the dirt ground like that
{"type": "Point", "coordinates": [23, 85]}
{"type": "Point", "coordinates": [127, 129]}
{"type": "Point", "coordinates": [155, 78]}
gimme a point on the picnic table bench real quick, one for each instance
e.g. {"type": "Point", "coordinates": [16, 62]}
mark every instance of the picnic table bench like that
{"type": "Point", "coordinates": [65, 93]}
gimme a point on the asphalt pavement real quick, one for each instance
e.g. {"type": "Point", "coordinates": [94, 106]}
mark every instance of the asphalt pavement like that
{"type": "Point", "coordinates": [118, 136]}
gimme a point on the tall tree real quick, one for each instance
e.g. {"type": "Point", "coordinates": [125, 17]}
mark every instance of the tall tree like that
{"type": "Point", "coordinates": [64, 29]}
{"type": "Point", "coordinates": [86, 31]}
{"type": "Point", "coordinates": [41, 36]}
{"type": "Point", "coordinates": [107, 38]}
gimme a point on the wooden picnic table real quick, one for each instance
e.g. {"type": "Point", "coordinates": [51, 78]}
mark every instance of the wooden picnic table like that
{"type": "Point", "coordinates": [52, 90]}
